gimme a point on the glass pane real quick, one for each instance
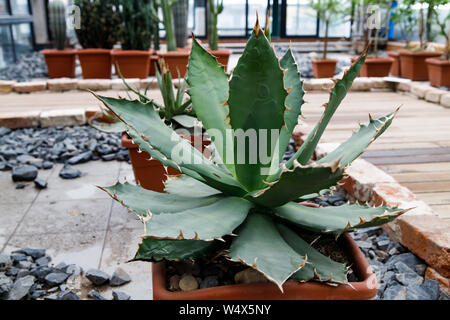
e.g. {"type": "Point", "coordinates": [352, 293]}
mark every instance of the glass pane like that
{"type": "Point", "coordinates": [338, 28]}
{"type": "Point", "coordinates": [254, 6]}
{"type": "Point", "coordinates": [19, 7]}
{"type": "Point", "coordinates": [231, 21]}
{"type": "Point", "coordinates": [22, 38]}
{"type": "Point", "coordinates": [6, 50]}
{"type": "Point", "coordinates": [3, 7]}
{"type": "Point", "coordinates": [301, 20]}
{"type": "Point", "coordinates": [196, 20]}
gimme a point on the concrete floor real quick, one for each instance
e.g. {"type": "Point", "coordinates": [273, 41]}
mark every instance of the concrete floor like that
{"type": "Point", "coordinates": [77, 223]}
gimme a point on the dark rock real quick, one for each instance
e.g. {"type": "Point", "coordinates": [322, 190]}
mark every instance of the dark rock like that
{"type": "Point", "coordinates": [81, 158]}
{"type": "Point", "coordinates": [400, 267]}
{"type": "Point", "coordinates": [55, 278]}
{"type": "Point", "coordinates": [4, 131]}
{"type": "Point", "coordinates": [408, 279]}
{"type": "Point", "coordinates": [383, 244]}
{"type": "Point", "coordinates": [108, 157]}
{"type": "Point", "coordinates": [51, 297]}
{"type": "Point", "coordinates": [95, 295]}
{"type": "Point", "coordinates": [41, 272]}
{"type": "Point", "coordinates": [68, 295]}
{"type": "Point", "coordinates": [73, 270]}
{"type": "Point", "coordinates": [37, 294]}
{"type": "Point", "coordinates": [120, 295]}
{"type": "Point", "coordinates": [67, 172]}
{"type": "Point", "coordinates": [47, 165]}
{"type": "Point", "coordinates": [5, 261]}
{"type": "Point", "coordinates": [61, 266]}
{"type": "Point", "coordinates": [97, 277]}
{"type": "Point", "coordinates": [21, 287]}
{"type": "Point", "coordinates": [432, 287]}
{"type": "Point", "coordinates": [429, 291]}
{"type": "Point", "coordinates": [407, 258]}
{"type": "Point", "coordinates": [23, 273]}
{"type": "Point", "coordinates": [16, 257]}
{"type": "Point", "coordinates": [20, 186]}
{"type": "Point", "coordinates": [5, 285]}
{"type": "Point", "coordinates": [364, 244]}
{"type": "Point", "coordinates": [40, 183]}
{"type": "Point", "coordinates": [395, 292]}
{"type": "Point", "coordinates": [209, 281]}
{"type": "Point", "coordinates": [119, 277]}
{"type": "Point", "coordinates": [12, 271]}
{"type": "Point", "coordinates": [24, 173]}
{"type": "Point", "coordinates": [34, 253]}
{"type": "Point", "coordinates": [24, 264]}
{"type": "Point", "coordinates": [44, 261]}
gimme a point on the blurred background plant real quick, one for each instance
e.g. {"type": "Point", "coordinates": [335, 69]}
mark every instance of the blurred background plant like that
{"type": "Point", "coordinates": [215, 7]}
{"type": "Point", "coordinates": [58, 25]}
{"type": "Point", "coordinates": [137, 24]}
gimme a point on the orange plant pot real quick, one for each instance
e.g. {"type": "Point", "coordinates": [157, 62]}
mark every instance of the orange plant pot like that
{"type": "Point", "coordinates": [395, 67]}
{"type": "Point", "coordinates": [222, 56]}
{"type": "Point", "coordinates": [150, 173]}
{"type": "Point", "coordinates": [365, 289]}
{"type": "Point", "coordinates": [153, 65]}
{"type": "Point", "coordinates": [324, 68]}
{"type": "Point", "coordinates": [439, 72]}
{"type": "Point", "coordinates": [176, 61]}
{"type": "Point", "coordinates": [60, 63]}
{"type": "Point", "coordinates": [95, 63]}
{"type": "Point", "coordinates": [413, 65]}
{"type": "Point", "coordinates": [376, 67]}
{"type": "Point", "coordinates": [132, 63]}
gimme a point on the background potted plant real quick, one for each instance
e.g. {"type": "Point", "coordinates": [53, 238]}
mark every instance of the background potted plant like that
{"type": "Point", "coordinates": [133, 59]}
{"type": "Point", "coordinates": [412, 60]}
{"type": "Point", "coordinates": [175, 58]}
{"type": "Point", "coordinates": [236, 210]}
{"type": "Point", "coordinates": [376, 66]}
{"type": "Point", "coordinates": [180, 12]}
{"type": "Point", "coordinates": [214, 9]}
{"type": "Point", "coordinates": [60, 62]}
{"type": "Point", "coordinates": [99, 31]}
{"type": "Point", "coordinates": [327, 9]}
{"type": "Point", "coordinates": [439, 68]}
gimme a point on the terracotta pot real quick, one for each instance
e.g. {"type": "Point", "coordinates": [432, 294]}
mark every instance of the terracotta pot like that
{"type": "Point", "coordinates": [363, 290]}
{"type": "Point", "coordinates": [153, 61]}
{"type": "Point", "coordinates": [413, 65]}
{"type": "Point", "coordinates": [132, 63]}
{"type": "Point", "coordinates": [150, 174]}
{"type": "Point", "coordinates": [95, 63]}
{"type": "Point", "coordinates": [60, 63]}
{"type": "Point", "coordinates": [324, 68]}
{"type": "Point", "coordinates": [438, 72]}
{"type": "Point", "coordinates": [395, 67]}
{"type": "Point", "coordinates": [176, 61]}
{"type": "Point", "coordinates": [222, 56]}
{"type": "Point", "coordinates": [376, 67]}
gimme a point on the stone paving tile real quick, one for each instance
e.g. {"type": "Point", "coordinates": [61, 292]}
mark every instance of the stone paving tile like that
{"type": "Point", "coordinates": [97, 168]}
{"type": "Point", "coordinates": [10, 216]}
{"type": "Point", "coordinates": [81, 248]}
{"type": "Point", "coordinates": [10, 195]}
{"type": "Point", "coordinates": [121, 217]}
{"type": "Point", "coordinates": [76, 189]}
{"type": "Point", "coordinates": [66, 216]}
{"type": "Point", "coordinates": [3, 240]}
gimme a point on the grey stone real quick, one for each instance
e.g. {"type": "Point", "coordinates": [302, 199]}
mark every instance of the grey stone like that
{"type": "Point", "coordinates": [46, 165]}
{"type": "Point", "coordinates": [23, 273]}
{"type": "Point", "coordinates": [395, 292]}
{"type": "Point", "coordinates": [24, 264]}
{"type": "Point", "coordinates": [73, 270]}
{"type": "Point", "coordinates": [51, 297]}
{"type": "Point", "coordinates": [68, 295]}
{"type": "Point", "coordinates": [24, 173]}
{"type": "Point", "coordinates": [5, 285]}
{"type": "Point", "coordinates": [408, 279]}
{"type": "Point", "coordinates": [97, 277]}
{"type": "Point", "coordinates": [4, 131]}
{"type": "Point", "coordinates": [209, 281]}
{"type": "Point", "coordinates": [119, 277]}
{"type": "Point", "coordinates": [43, 261]}
{"type": "Point", "coordinates": [407, 258]}
{"type": "Point", "coordinates": [5, 261]}
{"type": "Point", "coordinates": [443, 296]}
{"type": "Point", "coordinates": [383, 244]}
{"type": "Point", "coordinates": [120, 295]}
{"type": "Point", "coordinates": [12, 271]}
{"type": "Point", "coordinates": [81, 158]}
{"type": "Point", "coordinates": [432, 287]}
{"type": "Point", "coordinates": [364, 244]}
{"type": "Point", "coordinates": [402, 268]}
{"type": "Point", "coordinates": [96, 295]}
{"type": "Point", "coordinates": [420, 269]}
{"type": "Point", "coordinates": [41, 272]}
{"type": "Point", "coordinates": [67, 172]}
{"type": "Point", "coordinates": [17, 257]}
{"type": "Point", "coordinates": [37, 294]}
{"type": "Point", "coordinates": [62, 266]}
{"type": "Point", "coordinates": [21, 287]}
{"type": "Point", "coordinates": [419, 292]}
{"type": "Point", "coordinates": [55, 278]}
{"type": "Point", "coordinates": [34, 253]}
{"type": "Point", "coordinates": [40, 183]}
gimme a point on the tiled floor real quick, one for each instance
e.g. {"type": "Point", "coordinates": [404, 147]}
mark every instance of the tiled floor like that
{"type": "Point", "coordinates": [76, 222]}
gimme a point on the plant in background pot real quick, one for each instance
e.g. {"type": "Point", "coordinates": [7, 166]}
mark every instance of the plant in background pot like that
{"type": "Point", "coordinates": [98, 32]}
{"type": "Point", "coordinates": [215, 7]}
{"type": "Point", "coordinates": [176, 111]}
{"type": "Point", "coordinates": [412, 60]}
{"type": "Point", "coordinates": [176, 59]}
{"type": "Point", "coordinates": [327, 10]}
{"type": "Point", "coordinates": [180, 12]}
{"type": "Point", "coordinates": [60, 62]}
{"type": "Point", "coordinates": [133, 59]}
{"type": "Point", "coordinates": [245, 208]}
{"type": "Point", "coordinates": [439, 68]}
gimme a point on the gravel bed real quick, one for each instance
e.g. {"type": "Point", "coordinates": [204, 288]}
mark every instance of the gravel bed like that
{"type": "Point", "coordinates": [28, 66]}
{"type": "Point", "coordinates": [27, 274]}
{"type": "Point", "coordinates": [25, 151]}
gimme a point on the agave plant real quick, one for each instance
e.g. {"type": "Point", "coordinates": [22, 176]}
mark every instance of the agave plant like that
{"type": "Point", "coordinates": [248, 208]}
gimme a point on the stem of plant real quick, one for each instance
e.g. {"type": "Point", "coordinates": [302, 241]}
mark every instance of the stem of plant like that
{"type": "Point", "coordinates": [325, 43]}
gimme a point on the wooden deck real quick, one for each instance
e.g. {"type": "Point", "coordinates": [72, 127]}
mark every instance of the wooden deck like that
{"type": "Point", "coordinates": [415, 150]}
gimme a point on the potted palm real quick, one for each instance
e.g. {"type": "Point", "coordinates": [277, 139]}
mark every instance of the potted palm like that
{"type": "Point", "coordinates": [60, 61]}
{"type": "Point", "coordinates": [246, 212]}
{"type": "Point", "coordinates": [133, 59]}
{"type": "Point", "coordinates": [214, 9]}
{"type": "Point", "coordinates": [176, 58]}
{"type": "Point", "coordinates": [412, 60]}
{"type": "Point", "coordinates": [327, 9]}
{"type": "Point", "coordinates": [99, 31]}
{"type": "Point", "coordinates": [439, 68]}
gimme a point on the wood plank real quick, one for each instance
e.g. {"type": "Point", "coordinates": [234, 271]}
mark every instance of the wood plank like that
{"type": "Point", "coordinates": [435, 198]}
{"type": "Point", "coordinates": [437, 186]}
{"type": "Point", "coordinates": [408, 159]}
{"type": "Point", "coordinates": [422, 176]}
{"type": "Point", "coordinates": [442, 210]}
{"type": "Point", "coordinates": [416, 167]}
{"type": "Point", "coordinates": [405, 152]}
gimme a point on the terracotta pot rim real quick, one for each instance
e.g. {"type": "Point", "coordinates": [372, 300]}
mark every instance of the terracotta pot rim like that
{"type": "Point", "coordinates": [220, 51]}
{"type": "Point", "coordinates": [423, 53]}
{"type": "Point", "coordinates": [120, 52]}
{"type": "Point", "coordinates": [56, 52]}
{"type": "Point", "coordinates": [373, 60]}
{"type": "Point", "coordinates": [242, 291]}
{"type": "Point", "coordinates": [394, 53]}
{"type": "Point", "coordinates": [92, 51]}
{"type": "Point", "coordinates": [438, 61]}
{"type": "Point", "coordinates": [324, 61]}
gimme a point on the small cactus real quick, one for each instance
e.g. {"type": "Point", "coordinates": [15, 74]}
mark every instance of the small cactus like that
{"type": "Point", "coordinates": [58, 24]}
{"type": "Point", "coordinates": [214, 9]}
{"type": "Point", "coordinates": [137, 21]}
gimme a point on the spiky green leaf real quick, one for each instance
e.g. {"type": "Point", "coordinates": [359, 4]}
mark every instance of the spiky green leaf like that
{"type": "Point", "coordinates": [186, 186]}
{"type": "Point", "coordinates": [336, 220]}
{"type": "Point", "coordinates": [110, 127]}
{"type": "Point", "coordinates": [203, 223]}
{"type": "Point", "coordinates": [260, 245]}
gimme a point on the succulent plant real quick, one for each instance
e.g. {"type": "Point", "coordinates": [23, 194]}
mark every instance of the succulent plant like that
{"type": "Point", "coordinates": [214, 8]}
{"type": "Point", "coordinates": [180, 11]}
{"type": "Point", "coordinates": [58, 25]}
{"type": "Point", "coordinates": [100, 23]}
{"type": "Point", "coordinates": [166, 7]}
{"type": "Point", "coordinates": [136, 23]}
{"type": "Point", "coordinates": [248, 210]}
